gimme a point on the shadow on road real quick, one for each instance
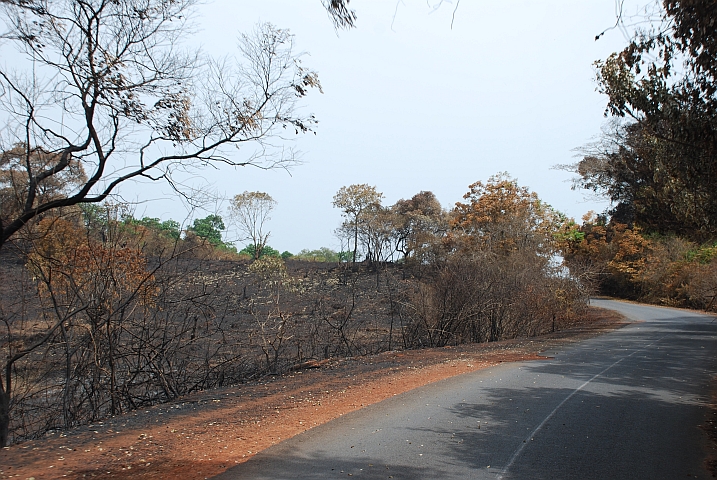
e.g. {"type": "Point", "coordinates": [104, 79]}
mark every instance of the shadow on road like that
{"type": "Point", "coordinates": [624, 405]}
{"type": "Point", "coordinates": [284, 465]}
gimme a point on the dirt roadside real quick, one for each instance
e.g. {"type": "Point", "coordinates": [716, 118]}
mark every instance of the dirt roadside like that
{"type": "Point", "coordinates": [204, 434]}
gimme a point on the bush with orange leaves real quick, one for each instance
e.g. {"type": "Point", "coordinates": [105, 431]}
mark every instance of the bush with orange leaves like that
{"type": "Point", "coordinates": [83, 275]}
{"type": "Point", "coordinates": [666, 270]}
{"type": "Point", "coordinates": [503, 217]}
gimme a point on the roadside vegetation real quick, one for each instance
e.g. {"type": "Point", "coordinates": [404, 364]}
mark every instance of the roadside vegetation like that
{"type": "Point", "coordinates": [103, 313]}
{"type": "Point", "coordinates": [656, 160]}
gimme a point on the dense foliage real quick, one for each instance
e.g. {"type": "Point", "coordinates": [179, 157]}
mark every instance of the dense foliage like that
{"type": "Point", "coordinates": [623, 261]}
{"type": "Point", "coordinates": [657, 163]}
{"type": "Point", "coordinates": [657, 160]}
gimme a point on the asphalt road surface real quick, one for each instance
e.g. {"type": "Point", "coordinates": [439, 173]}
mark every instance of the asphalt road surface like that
{"type": "Point", "coordinates": [624, 405]}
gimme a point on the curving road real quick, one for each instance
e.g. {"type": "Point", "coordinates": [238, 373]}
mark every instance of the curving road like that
{"type": "Point", "coordinates": [625, 405]}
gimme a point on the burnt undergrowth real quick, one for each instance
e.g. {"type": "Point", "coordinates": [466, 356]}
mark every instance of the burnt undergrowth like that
{"type": "Point", "coordinates": [191, 324]}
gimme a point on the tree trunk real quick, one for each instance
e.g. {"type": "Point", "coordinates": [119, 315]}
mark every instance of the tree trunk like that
{"type": "Point", "coordinates": [355, 239]}
{"type": "Point", "coordinates": [4, 417]}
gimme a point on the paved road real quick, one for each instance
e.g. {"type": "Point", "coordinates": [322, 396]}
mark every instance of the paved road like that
{"type": "Point", "coordinates": [625, 405]}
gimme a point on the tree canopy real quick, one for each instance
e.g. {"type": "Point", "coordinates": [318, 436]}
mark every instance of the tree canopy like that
{"type": "Point", "coordinates": [209, 228]}
{"type": "Point", "coordinates": [249, 211]}
{"type": "Point", "coordinates": [657, 161]}
{"type": "Point", "coordinates": [353, 201]}
{"type": "Point", "coordinates": [502, 217]}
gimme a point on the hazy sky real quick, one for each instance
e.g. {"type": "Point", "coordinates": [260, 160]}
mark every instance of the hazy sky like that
{"type": "Point", "coordinates": [411, 104]}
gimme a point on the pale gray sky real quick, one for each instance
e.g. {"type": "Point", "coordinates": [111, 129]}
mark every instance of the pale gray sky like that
{"type": "Point", "coordinates": [411, 104]}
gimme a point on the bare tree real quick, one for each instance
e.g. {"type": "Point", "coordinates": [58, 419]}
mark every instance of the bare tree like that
{"type": "Point", "coordinates": [107, 89]}
{"type": "Point", "coordinates": [249, 211]}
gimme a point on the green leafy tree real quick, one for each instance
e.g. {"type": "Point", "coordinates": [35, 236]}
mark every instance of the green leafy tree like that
{"type": "Point", "coordinates": [267, 251]}
{"type": "Point", "coordinates": [170, 228]}
{"type": "Point", "coordinates": [345, 256]}
{"type": "Point", "coordinates": [209, 228]}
